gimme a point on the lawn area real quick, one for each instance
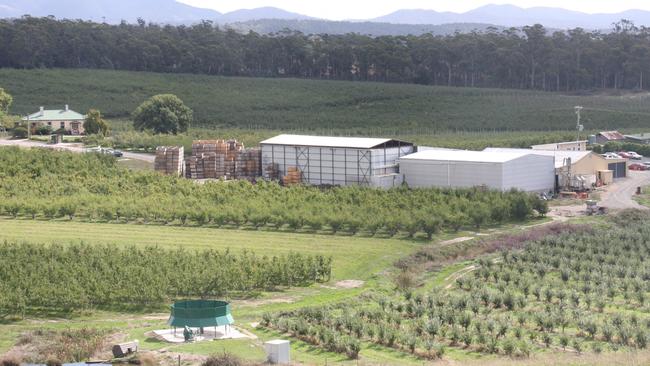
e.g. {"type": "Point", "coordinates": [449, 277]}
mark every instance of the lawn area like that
{"type": "Point", "coordinates": [353, 257]}
{"type": "Point", "coordinates": [369, 257]}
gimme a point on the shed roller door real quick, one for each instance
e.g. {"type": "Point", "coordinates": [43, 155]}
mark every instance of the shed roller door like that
{"type": "Point", "coordinates": [618, 169]}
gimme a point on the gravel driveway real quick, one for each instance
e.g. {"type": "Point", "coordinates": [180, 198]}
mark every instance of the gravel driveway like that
{"type": "Point", "coordinates": [74, 147]}
{"type": "Point", "coordinates": [619, 195]}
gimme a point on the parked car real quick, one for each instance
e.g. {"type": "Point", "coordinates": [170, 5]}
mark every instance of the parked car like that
{"type": "Point", "coordinates": [634, 155]}
{"type": "Point", "coordinates": [647, 164]}
{"type": "Point", "coordinates": [624, 155]}
{"type": "Point", "coordinates": [118, 153]}
{"type": "Point", "coordinates": [611, 155]}
{"type": "Point", "coordinates": [637, 166]}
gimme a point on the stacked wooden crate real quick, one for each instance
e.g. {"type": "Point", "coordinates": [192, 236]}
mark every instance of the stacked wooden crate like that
{"type": "Point", "coordinates": [272, 171]}
{"type": "Point", "coordinates": [294, 176]}
{"type": "Point", "coordinates": [170, 160]}
{"type": "Point", "coordinates": [192, 169]}
{"type": "Point", "coordinates": [213, 159]}
{"type": "Point", "coordinates": [248, 164]}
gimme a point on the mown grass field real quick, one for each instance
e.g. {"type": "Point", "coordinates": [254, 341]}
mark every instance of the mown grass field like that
{"type": "Point", "coordinates": [353, 257]}
{"type": "Point", "coordinates": [325, 106]}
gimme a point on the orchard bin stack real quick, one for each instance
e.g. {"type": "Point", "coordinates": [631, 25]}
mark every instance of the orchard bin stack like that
{"type": "Point", "coordinates": [170, 160]}
{"type": "Point", "coordinates": [227, 159]}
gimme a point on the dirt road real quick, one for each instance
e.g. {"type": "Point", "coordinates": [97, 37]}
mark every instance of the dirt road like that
{"type": "Point", "coordinates": [74, 147]}
{"type": "Point", "coordinates": [619, 195]}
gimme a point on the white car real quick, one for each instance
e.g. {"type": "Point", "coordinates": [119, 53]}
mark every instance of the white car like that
{"type": "Point", "coordinates": [634, 155]}
{"type": "Point", "coordinates": [611, 155]}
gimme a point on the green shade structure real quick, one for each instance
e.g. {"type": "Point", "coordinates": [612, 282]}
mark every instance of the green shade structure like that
{"type": "Point", "coordinates": [200, 313]}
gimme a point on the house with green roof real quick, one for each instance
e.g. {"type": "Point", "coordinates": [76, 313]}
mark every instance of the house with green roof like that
{"type": "Point", "coordinates": [58, 119]}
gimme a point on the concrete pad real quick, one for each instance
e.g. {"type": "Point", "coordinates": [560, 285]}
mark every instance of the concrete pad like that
{"type": "Point", "coordinates": [209, 334]}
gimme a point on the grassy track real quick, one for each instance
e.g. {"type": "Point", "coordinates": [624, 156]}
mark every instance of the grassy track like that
{"type": "Point", "coordinates": [354, 258]}
{"type": "Point", "coordinates": [337, 107]}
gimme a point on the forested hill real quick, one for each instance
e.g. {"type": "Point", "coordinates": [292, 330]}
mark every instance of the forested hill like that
{"type": "Point", "coordinates": [317, 26]}
{"type": "Point", "coordinates": [527, 59]}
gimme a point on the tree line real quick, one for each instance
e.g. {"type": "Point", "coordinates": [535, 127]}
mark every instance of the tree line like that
{"type": "Point", "coordinates": [79, 276]}
{"type": "Point", "coordinates": [532, 57]}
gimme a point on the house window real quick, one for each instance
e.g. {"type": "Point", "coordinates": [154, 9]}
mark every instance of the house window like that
{"type": "Point", "coordinates": [62, 124]}
{"type": "Point", "coordinates": [49, 124]}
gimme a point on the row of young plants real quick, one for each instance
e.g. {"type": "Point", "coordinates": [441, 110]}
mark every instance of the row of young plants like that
{"type": "Point", "coordinates": [585, 289]}
{"type": "Point", "coordinates": [59, 184]}
{"type": "Point", "coordinates": [78, 276]}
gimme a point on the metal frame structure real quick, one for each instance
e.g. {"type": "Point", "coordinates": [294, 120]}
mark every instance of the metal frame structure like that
{"type": "Point", "coordinates": [335, 160]}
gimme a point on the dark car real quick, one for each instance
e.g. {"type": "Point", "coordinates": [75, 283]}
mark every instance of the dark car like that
{"type": "Point", "coordinates": [118, 153]}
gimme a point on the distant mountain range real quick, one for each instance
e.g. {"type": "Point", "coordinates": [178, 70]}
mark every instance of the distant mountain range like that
{"type": "Point", "coordinates": [513, 16]}
{"type": "Point", "coordinates": [114, 11]}
{"type": "Point", "coordinates": [269, 19]}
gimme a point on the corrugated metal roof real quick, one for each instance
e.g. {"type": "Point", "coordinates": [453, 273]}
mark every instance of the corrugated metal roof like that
{"type": "Point", "coordinates": [559, 155]}
{"type": "Point", "coordinates": [327, 141]}
{"type": "Point", "coordinates": [639, 137]}
{"type": "Point", "coordinates": [612, 135]}
{"type": "Point", "coordinates": [466, 156]}
{"type": "Point", "coordinates": [55, 115]}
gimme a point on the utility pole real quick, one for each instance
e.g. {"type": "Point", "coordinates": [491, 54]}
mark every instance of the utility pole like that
{"type": "Point", "coordinates": [579, 127]}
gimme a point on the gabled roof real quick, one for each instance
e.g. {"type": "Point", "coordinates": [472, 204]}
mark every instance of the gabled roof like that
{"type": "Point", "coordinates": [559, 155]}
{"type": "Point", "coordinates": [327, 141]}
{"type": "Point", "coordinates": [612, 135]}
{"type": "Point", "coordinates": [466, 156]}
{"type": "Point", "coordinates": [54, 115]}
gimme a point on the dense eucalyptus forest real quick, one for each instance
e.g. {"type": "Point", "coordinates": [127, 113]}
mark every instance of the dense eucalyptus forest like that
{"type": "Point", "coordinates": [529, 58]}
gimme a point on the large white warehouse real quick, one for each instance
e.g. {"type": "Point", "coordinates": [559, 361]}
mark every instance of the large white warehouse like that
{"type": "Point", "coordinates": [496, 170]}
{"type": "Point", "coordinates": [322, 160]}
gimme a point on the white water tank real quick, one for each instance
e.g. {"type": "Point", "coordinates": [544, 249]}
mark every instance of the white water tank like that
{"type": "Point", "coordinates": [277, 352]}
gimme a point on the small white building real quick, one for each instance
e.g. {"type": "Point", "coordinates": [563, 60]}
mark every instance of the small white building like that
{"type": "Point", "coordinates": [563, 146]}
{"type": "Point", "coordinates": [339, 161]}
{"type": "Point", "coordinates": [462, 169]}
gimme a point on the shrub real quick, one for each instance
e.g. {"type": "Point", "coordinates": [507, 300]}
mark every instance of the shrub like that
{"type": "Point", "coordinates": [19, 132]}
{"type": "Point", "coordinates": [224, 359]}
{"type": "Point", "coordinates": [10, 361]}
{"type": "Point", "coordinates": [405, 280]}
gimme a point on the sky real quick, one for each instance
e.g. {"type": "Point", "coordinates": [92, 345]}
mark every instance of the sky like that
{"type": "Point", "coordinates": [366, 9]}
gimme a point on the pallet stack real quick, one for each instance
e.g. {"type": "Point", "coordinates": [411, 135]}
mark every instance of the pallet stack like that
{"type": "Point", "coordinates": [248, 164]}
{"type": "Point", "coordinates": [294, 176]}
{"type": "Point", "coordinates": [272, 171]}
{"type": "Point", "coordinates": [193, 168]}
{"type": "Point", "coordinates": [170, 160]}
{"type": "Point", "coordinates": [214, 159]}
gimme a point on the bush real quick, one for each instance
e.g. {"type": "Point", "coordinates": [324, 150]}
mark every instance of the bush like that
{"type": "Point", "coordinates": [44, 130]}
{"type": "Point", "coordinates": [19, 132]}
{"type": "Point", "coordinates": [224, 359]}
{"type": "Point", "coordinates": [405, 280]}
{"type": "Point", "coordinates": [10, 361]}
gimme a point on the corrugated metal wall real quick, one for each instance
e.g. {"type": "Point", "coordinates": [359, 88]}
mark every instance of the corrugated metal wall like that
{"type": "Point", "coordinates": [531, 173]}
{"type": "Point", "coordinates": [431, 173]}
{"type": "Point", "coordinates": [334, 166]}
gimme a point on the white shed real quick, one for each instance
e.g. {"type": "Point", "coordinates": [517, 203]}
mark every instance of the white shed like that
{"type": "Point", "coordinates": [324, 160]}
{"type": "Point", "coordinates": [496, 170]}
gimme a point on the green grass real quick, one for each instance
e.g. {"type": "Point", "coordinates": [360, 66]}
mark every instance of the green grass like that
{"type": "Point", "coordinates": [334, 106]}
{"type": "Point", "coordinates": [354, 257]}
{"type": "Point", "coordinates": [644, 198]}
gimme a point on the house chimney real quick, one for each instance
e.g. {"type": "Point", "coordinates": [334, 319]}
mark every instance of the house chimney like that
{"type": "Point", "coordinates": [66, 108]}
{"type": "Point", "coordinates": [42, 110]}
